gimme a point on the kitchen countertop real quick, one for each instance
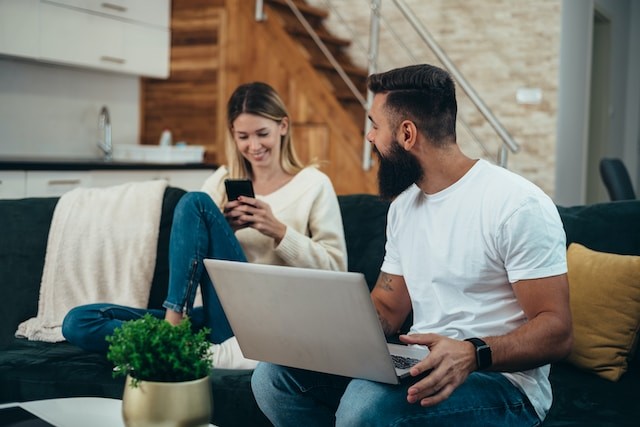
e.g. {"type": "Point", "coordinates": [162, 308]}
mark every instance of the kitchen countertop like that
{"type": "Point", "coordinates": [64, 164]}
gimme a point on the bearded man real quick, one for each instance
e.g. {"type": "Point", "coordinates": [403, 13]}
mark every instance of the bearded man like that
{"type": "Point", "coordinates": [475, 252]}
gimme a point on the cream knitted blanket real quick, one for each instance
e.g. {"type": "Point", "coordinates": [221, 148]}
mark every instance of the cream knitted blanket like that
{"type": "Point", "coordinates": [101, 248]}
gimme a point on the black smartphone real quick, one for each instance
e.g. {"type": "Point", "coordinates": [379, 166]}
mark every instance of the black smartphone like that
{"type": "Point", "coordinates": [238, 187]}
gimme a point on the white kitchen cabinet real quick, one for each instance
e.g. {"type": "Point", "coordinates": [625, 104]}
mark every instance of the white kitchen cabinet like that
{"type": "Point", "coordinates": [125, 36]}
{"type": "Point", "coordinates": [19, 28]}
{"type": "Point", "coordinates": [46, 183]}
{"type": "Point", "coordinates": [156, 13]}
{"type": "Point", "coordinates": [55, 183]}
{"type": "Point", "coordinates": [75, 36]}
{"type": "Point", "coordinates": [104, 178]}
{"type": "Point", "coordinates": [12, 184]}
{"type": "Point", "coordinates": [187, 179]}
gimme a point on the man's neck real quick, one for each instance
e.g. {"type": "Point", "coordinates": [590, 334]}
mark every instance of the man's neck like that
{"type": "Point", "coordinates": [442, 168]}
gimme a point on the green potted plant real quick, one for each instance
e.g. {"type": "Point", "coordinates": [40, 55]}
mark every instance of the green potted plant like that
{"type": "Point", "coordinates": [167, 369]}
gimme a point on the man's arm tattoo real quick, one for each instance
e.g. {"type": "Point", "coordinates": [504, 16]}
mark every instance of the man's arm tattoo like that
{"type": "Point", "coordinates": [385, 283]}
{"type": "Point", "coordinates": [386, 326]}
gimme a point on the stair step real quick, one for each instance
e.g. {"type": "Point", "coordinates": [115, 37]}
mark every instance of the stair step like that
{"type": "Point", "coordinates": [305, 8]}
{"type": "Point", "coordinates": [345, 95]}
{"type": "Point", "coordinates": [326, 38]}
{"type": "Point", "coordinates": [351, 70]}
{"type": "Point", "coordinates": [314, 51]}
{"type": "Point", "coordinates": [315, 16]}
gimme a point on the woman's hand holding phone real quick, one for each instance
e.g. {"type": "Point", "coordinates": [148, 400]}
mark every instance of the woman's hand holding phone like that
{"type": "Point", "coordinates": [237, 188]}
{"type": "Point", "coordinates": [244, 210]}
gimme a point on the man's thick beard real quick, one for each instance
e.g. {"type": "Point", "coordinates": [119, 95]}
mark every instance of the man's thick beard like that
{"type": "Point", "coordinates": [398, 170]}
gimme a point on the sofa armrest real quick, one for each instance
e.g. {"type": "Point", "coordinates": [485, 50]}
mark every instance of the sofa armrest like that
{"type": "Point", "coordinates": [24, 227]}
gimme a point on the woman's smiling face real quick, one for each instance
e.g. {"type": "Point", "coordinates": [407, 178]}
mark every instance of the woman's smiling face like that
{"type": "Point", "coordinates": [258, 139]}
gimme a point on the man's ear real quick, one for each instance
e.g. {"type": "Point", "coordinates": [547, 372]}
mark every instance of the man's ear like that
{"type": "Point", "coordinates": [408, 134]}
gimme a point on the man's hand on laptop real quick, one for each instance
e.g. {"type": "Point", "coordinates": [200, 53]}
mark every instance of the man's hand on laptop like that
{"type": "Point", "coordinates": [449, 362]}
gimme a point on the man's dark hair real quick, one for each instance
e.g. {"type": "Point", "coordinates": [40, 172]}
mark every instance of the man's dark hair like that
{"type": "Point", "coordinates": [424, 94]}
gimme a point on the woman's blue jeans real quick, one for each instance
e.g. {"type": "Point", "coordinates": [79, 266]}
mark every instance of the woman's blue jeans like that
{"type": "Point", "coordinates": [199, 231]}
{"type": "Point", "coordinates": [295, 397]}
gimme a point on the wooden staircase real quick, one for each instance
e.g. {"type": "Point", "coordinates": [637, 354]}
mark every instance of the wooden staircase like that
{"type": "Point", "coordinates": [337, 46]}
{"type": "Point", "coordinates": [218, 44]}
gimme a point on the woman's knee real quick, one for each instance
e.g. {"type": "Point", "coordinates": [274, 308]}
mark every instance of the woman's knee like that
{"type": "Point", "coordinates": [75, 321]}
{"type": "Point", "coordinates": [69, 325]}
{"type": "Point", "coordinates": [193, 200]}
{"type": "Point", "coordinates": [194, 204]}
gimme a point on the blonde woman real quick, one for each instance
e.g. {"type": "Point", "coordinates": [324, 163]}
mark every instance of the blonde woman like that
{"type": "Point", "coordinates": [294, 220]}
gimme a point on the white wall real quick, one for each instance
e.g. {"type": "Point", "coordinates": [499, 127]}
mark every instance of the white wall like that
{"type": "Point", "coordinates": [574, 96]}
{"type": "Point", "coordinates": [500, 46]}
{"type": "Point", "coordinates": [52, 111]}
{"type": "Point", "coordinates": [631, 150]}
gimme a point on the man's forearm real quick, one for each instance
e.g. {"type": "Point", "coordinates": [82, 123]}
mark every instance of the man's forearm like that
{"type": "Point", "coordinates": [387, 328]}
{"type": "Point", "coordinates": [538, 342]}
{"type": "Point", "coordinates": [392, 302]}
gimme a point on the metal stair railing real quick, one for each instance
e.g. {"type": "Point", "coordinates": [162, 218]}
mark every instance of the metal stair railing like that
{"type": "Point", "coordinates": [508, 143]}
{"type": "Point", "coordinates": [260, 16]}
{"type": "Point", "coordinates": [463, 123]}
{"type": "Point", "coordinates": [507, 139]}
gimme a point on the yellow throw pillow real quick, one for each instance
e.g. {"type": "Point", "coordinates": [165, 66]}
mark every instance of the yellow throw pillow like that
{"type": "Point", "coordinates": [605, 305]}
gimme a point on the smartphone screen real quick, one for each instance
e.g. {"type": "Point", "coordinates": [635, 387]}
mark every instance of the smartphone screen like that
{"type": "Point", "coordinates": [238, 187]}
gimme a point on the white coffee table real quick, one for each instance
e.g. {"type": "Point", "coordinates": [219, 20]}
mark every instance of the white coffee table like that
{"type": "Point", "coordinates": [76, 411]}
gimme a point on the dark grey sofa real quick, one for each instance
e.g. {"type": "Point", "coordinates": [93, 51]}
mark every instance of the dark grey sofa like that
{"type": "Point", "coordinates": [36, 370]}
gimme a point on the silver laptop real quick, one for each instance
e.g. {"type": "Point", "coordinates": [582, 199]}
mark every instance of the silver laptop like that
{"type": "Point", "coordinates": [311, 319]}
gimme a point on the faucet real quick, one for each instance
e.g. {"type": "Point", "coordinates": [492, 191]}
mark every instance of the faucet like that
{"type": "Point", "coordinates": [104, 135]}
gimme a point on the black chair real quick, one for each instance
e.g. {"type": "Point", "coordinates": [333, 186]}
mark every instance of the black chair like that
{"type": "Point", "coordinates": [616, 178]}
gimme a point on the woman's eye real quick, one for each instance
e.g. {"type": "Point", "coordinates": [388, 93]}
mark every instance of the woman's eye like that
{"type": "Point", "coordinates": [263, 135]}
{"type": "Point", "coordinates": [242, 137]}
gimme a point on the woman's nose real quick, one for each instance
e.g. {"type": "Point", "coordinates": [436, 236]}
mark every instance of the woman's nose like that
{"type": "Point", "coordinates": [254, 142]}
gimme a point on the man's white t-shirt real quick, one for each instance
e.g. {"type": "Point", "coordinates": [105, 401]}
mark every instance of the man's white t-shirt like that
{"type": "Point", "coordinates": [461, 249]}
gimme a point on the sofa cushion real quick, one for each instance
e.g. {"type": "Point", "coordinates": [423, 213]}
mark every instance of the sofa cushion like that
{"type": "Point", "coordinates": [582, 399]}
{"type": "Point", "coordinates": [611, 227]}
{"type": "Point", "coordinates": [605, 305]}
{"type": "Point", "coordinates": [160, 282]}
{"type": "Point", "coordinates": [364, 218]}
{"type": "Point", "coordinates": [33, 370]}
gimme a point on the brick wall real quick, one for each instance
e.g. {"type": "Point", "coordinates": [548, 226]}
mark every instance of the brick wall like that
{"type": "Point", "coordinates": [500, 46]}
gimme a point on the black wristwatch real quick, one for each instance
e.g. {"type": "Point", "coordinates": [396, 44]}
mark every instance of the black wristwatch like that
{"type": "Point", "coordinates": [483, 353]}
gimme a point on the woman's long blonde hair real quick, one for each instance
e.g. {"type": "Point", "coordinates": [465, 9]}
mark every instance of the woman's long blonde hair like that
{"type": "Point", "coordinates": [262, 100]}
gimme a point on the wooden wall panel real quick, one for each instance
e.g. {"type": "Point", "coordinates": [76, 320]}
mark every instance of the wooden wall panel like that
{"type": "Point", "coordinates": [312, 142]}
{"type": "Point", "coordinates": [217, 45]}
{"type": "Point", "coordinates": [264, 51]}
{"type": "Point", "coordinates": [188, 102]}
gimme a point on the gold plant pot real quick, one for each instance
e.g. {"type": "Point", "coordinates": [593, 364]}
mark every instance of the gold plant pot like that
{"type": "Point", "coordinates": [153, 404]}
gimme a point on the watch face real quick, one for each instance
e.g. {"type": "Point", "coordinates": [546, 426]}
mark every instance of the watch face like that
{"type": "Point", "coordinates": [483, 353]}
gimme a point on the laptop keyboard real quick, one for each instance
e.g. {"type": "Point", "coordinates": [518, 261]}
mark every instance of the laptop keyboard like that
{"type": "Point", "coordinates": [402, 362]}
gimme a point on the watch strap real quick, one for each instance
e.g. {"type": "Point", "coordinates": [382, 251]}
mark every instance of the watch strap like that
{"type": "Point", "coordinates": [483, 353]}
